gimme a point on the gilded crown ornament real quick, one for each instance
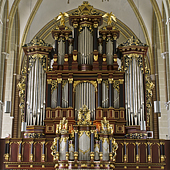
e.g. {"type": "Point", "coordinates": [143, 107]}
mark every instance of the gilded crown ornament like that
{"type": "Point", "coordinates": [84, 116]}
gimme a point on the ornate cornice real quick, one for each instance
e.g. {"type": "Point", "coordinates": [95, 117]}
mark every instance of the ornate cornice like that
{"type": "Point", "coordinates": [133, 41]}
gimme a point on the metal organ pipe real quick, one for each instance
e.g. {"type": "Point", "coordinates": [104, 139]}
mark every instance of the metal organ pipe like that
{"type": "Point", "coordinates": [135, 90]}
{"type": "Point", "coordinates": [42, 95]}
{"type": "Point", "coordinates": [128, 94]}
{"type": "Point", "coordinates": [134, 94]}
{"type": "Point", "coordinates": [131, 92]}
{"type": "Point", "coordinates": [138, 94]}
{"type": "Point", "coordinates": [38, 91]}
{"type": "Point", "coordinates": [36, 94]}
{"type": "Point", "coordinates": [85, 95]}
{"type": "Point", "coordinates": [28, 98]}
{"type": "Point", "coordinates": [34, 91]}
{"type": "Point", "coordinates": [109, 52]}
{"type": "Point", "coordinates": [104, 95]}
{"type": "Point", "coordinates": [85, 46]}
{"type": "Point", "coordinates": [65, 96]}
{"type": "Point", "coordinates": [61, 51]}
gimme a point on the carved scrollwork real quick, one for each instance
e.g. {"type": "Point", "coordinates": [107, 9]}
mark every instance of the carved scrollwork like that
{"type": "Point", "coordinates": [116, 85]}
{"type": "Point", "coordinates": [84, 116]}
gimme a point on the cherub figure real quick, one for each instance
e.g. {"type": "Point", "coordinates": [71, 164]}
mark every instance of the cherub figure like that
{"type": "Point", "coordinates": [61, 17]}
{"type": "Point", "coordinates": [111, 18]}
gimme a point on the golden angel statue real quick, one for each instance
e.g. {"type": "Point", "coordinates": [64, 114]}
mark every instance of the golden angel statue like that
{"type": "Point", "coordinates": [111, 18]}
{"type": "Point", "coordinates": [61, 18]}
{"type": "Point", "coordinates": [104, 125]}
{"type": "Point", "coordinates": [63, 126]}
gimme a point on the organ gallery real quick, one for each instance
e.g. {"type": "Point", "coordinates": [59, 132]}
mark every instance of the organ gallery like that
{"type": "Point", "coordinates": [85, 101]}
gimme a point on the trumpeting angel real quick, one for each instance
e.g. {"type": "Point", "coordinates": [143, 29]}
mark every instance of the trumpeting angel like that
{"type": "Point", "coordinates": [61, 18]}
{"type": "Point", "coordinates": [111, 18]}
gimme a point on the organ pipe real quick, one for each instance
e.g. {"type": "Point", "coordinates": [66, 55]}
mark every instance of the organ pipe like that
{"type": "Point", "coordinates": [65, 96]}
{"type": "Point", "coordinates": [85, 46]}
{"type": "Point", "coordinates": [109, 52]}
{"type": "Point", "coordinates": [134, 98]}
{"type": "Point", "coordinates": [85, 93]}
{"type": "Point", "coordinates": [36, 93]}
{"type": "Point", "coordinates": [61, 51]}
{"type": "Point", "coordinates": [105, 96]}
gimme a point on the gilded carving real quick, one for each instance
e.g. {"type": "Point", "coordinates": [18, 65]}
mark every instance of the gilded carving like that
{"type": "Point", "coordinates": [95, 57]}
{"type": "Point", "coordinates": [106, 127]}
{"type": "Point", "coordinates": [85, 9]}
{"type": "Point", "coordinates": [74, 57]}
{"type": "Point", "coordinates": [133, 41]}
{"type": "Point", "coordinates": [54, 85]}
{"type": "Point", "coordinates": [84, 116]}
{"type": "Point", "coordinates": [61, 18]}
{"type": "Point", "coordinates": [111, 18]}
{"type": "Point", "coordinates": [116, 85]}
{"type": "Point", "coordinates": [86, 151]}
{"type": "Point", "coordinates": [63, 126]}
{"type": "Point", "coordinates": [64, 83]}
{"type": "Point", "coordinates": [94, 83]}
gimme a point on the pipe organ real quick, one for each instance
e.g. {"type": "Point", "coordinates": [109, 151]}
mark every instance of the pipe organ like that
{"type": "Point", "coordinates": [134, 85]}
{"type": "Point", "coordinates": [83, 103]}
{"type": "Point", "coordinates": [36, 91]}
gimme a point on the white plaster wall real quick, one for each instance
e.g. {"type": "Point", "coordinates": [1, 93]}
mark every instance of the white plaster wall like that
{"type": "Point", "coordinates": [7, 121]}
{"type": "Point", "coordinates": [163, 120]}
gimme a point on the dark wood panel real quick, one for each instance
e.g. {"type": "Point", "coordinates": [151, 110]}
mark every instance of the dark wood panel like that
{"type": "Point", "coordinates": [26, 152]}
{"type": "Point", "coordinates": [143, 153]}
{"type": "Point", "coordinates": [130, 153]}
{"type": "Point", "coordinates": [14, 152]}
{"type": "Point", "coordinates": [37, 148]}
{"type": "Point", "coordinates": [167, 153]}
{"type": "Point", "coordinates": [119, 154]}
{"type": "Point", "coordinates": [48, 152]}
{"type": "Point", "coordinates": [2, 151]}
{"type": "Point", "coordinates": [155, 153]}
